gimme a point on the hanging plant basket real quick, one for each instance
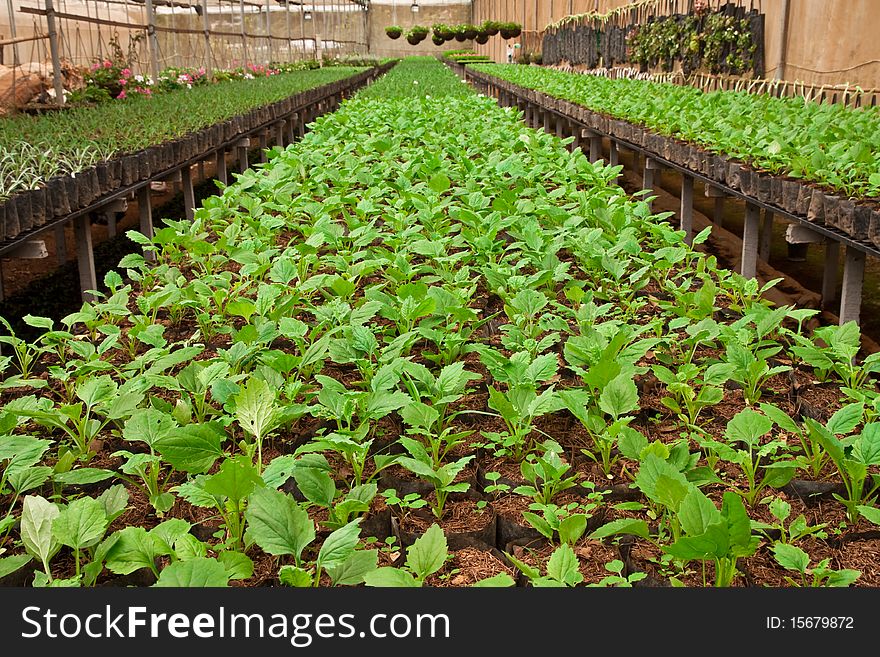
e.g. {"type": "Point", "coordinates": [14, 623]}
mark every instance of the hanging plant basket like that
{"type": "Point", "coordinates": [438, 40]}
{"type": "Point", "coordinates": [510, 30]}
{"type": "Point", "coordinates": [417, 34]}
{"type": "Point", "coordinates": [470, 32]}
{"type": "Point", "coordinates": [393, 32]}
{"type": "Point", "coordinates": [490, 27]}
{"type": "Point", "coordinates": [482, 37]}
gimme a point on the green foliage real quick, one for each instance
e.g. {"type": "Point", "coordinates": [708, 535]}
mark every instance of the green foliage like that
{"type": "Point", "coordinates": [830, 144]}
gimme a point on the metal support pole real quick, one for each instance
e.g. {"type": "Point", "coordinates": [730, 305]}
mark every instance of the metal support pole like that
{"type": "Point", "coordinates": [851, 290]}
{"type": "Point", "coordinates": [189, 197]}
{"type": "Point", "coordinates": [829, 275]}
{"type": "Point", "coordinates": [152, 39]}
{"type": "Point", "coordinates": [145, 212]}
{"type": "Point", "coordinates": [85, 256]}
{"type": "Point", "coordinates": [749, 263]}
{"type": "Point", "coordinates": [766, 236]}
{"type": "Point", "coordinates": [687, 208]}
{"type": "Point", "coordinates": [57, 83]}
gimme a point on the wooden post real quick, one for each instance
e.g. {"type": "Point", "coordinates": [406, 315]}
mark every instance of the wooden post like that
{"type": "Point", "coordinates": [648, 176]}
{"type": "Point", "coordinates": [718, 208]}
{"type": "Point", "coordinates": [152, 40]}
{"type": "Point", "coordinates": [687, 208]}
{"type": "Point", "coordinates": [111, 223]}
{"type": "Point", "coordinates": [206, 28]}
{"type": "Point", "coordinates": [220, 166]}
{"type": "Point", "coordinates": [766, 236]}
{"type": "Point", "coordinates": [244, 56]}
{"type": "Point", "coordinates": [85, 256]}
{"type": "Point", "coordinates": [595, 147]}
{"type": "Point", "coordinates": [60, 244]}
{"type": "Point", "coordinates": [189, 197]}
{"type": "Point", "coordinates": [749, 263]}
{"type": "Point", "coordinates": [54, 52]}
{"type": "Point", "coordinates": [145, 211]}
{"type": "Point", "coordinates": [16, 61]}
{"type": "Point", "coordinates": [851, 289]}
{"type": "Point", "coordinates": [829, 275]}
{"type": "Point", "coordinates": [264, 144]}
{"type": "Point", "coordinates": [279, 134]}
{"type": "Point", "coordinates": [242, 148]}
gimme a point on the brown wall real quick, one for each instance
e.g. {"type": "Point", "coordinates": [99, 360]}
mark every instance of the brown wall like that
{"type": "Point", "coordinates": [384, 15]}
{"type": "Point", "coordinates": [828, 42]}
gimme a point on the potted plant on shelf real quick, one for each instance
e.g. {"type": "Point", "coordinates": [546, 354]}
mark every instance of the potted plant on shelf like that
{"type": "Point", "coordinates": [394, 31]}
{"type": "Point", "coordinates": [416, 34]}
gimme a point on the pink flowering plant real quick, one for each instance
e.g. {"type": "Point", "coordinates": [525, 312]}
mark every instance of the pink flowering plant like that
{"type": "Point", "coordinates": [181, 78]}
{"type": "Point", "coordinates": [251, 71]}
{"type": "Point", "coordinates": [111, 76]}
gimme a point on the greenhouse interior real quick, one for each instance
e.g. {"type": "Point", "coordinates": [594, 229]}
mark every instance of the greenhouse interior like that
{"type": "Point", "coordinates": [439, 293]}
